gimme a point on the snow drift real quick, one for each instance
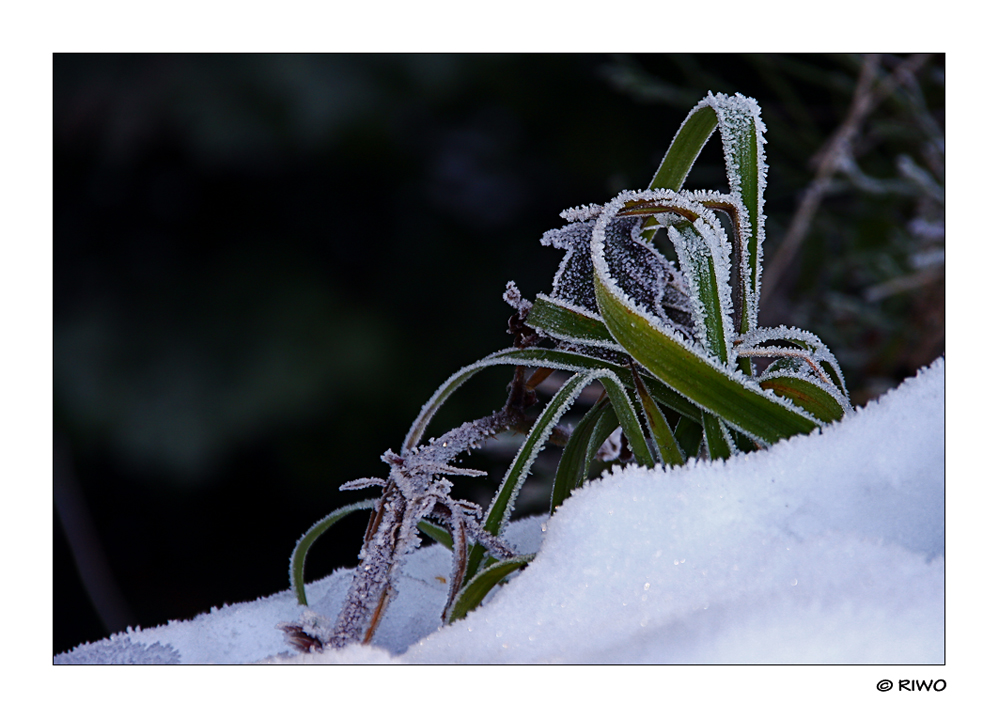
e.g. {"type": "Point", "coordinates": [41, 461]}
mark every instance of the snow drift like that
{"type": "Point", "coordinates": [826, 548]}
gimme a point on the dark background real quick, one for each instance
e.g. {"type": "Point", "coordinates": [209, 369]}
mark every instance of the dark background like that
{"type": "Point", "coordinates": [265, 265]}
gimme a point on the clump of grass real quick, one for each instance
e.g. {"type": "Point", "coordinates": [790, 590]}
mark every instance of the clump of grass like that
{"type": "Point", "coordinates": [685, 370]}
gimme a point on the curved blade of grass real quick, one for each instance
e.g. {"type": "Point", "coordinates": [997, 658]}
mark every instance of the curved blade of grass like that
{"type": "Point", "coordinates": [478, 587]}
{"type": "Point", "coordinates": [832, 369]}
{"type": "Point", "coordinates": [704, 383]}
{"type": "Point", "coordinates": [296, 570]}
{"type": "Point", "coordinates": [703, 250]}
{"type": "Point", "coordinates": [807, 394]}
{"type": "Point", "coordinates": [627, 415]}
{"type": "Point", "coordinates": [662, 437]}
{"type": "Point", "coordinates": [813, 351]}
{"type": "Point", "coordinates": [506, 495]}
{"type": "Point", "coordinates": [716, 438]}
{"type": "Point", "coordinates": [607, 423]}
{"type": "Point", "coordinates": [745, 315]}
{"type": "Point", "coordinates": [438, 534]}
{"type": "Point", "coordinates": [700, 269]}
{"type": "Point", "coordinates": [575, 461]}
{"type": "Point", "coordinates": [685, 148]}
{"type": "Point", "coordinates": [689, 435]}
{"type": "Point", "coordinates": [503, 501]}
{"type": "Point", "coordinates": [741, 129]}
{"type": "Point", "coordinates": [536, 357]}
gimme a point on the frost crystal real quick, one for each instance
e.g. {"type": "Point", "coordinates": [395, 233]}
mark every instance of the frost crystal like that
{"type": "Point", "coordinates": [573, 282]}
{"type": "Point", "coordinates": [639, 267]}
{"type": "Point", "coordinates": [513, 298]}
{"type": "Point", "coordinates": [581, 213]}
{"type": "Point", "coordinates": [415, 490]}
{"type": "Point", "coordinates": [119, 649]}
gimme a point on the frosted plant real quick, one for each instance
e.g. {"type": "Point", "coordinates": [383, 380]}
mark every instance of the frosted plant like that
{"type": "Point", "coordinates": [675, 347]}
{"type": "Point", "coordinates": [415, 490]}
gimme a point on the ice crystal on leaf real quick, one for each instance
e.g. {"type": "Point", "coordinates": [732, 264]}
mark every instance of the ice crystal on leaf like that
{"type": "Point", "coordinates": [581, 213]}
{"type": "Point", "coordinates": [573, 283]}
{"type": "Point", "coordinates": [639, 267]}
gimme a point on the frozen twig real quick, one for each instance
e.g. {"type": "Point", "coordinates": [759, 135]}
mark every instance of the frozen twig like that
{"type": "Point", "coordinates": [836, 155]}
{"type": "Point", "coordinates": [416, 489]}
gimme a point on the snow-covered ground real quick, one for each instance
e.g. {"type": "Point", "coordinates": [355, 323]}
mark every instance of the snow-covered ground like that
{"type": "Point", "coordinates": [824, 549]}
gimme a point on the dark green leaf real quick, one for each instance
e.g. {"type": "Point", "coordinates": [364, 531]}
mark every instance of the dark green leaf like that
{"type": "Point", "coordinates": [662, 437]}
{"type": "Point", "coordinates": [809, 395]}
{"type": "Point", "coordinates": [716, 438]}
{"type": "Point", "coordinates": [296, 571]}
{"type": "Point", "coordinates": [699, 380]}
{"type": "Point", "coordinates": [575, 461]}
{"type": "Point", "coordinates": [566, 323]}
{"type": "Point", "coordinates": [689, 435]}
{"type": "Point", "coordinates": [438, 534]}
{"type": "Point", "coordinates": [478, 587]}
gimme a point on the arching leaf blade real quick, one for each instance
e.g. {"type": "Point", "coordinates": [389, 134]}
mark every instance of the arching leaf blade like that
{"type": "Point", "coordinates": [741, 130]}
{"type": "Point", "coordinates": [703, 383]}
{"type": "Point", "coordinates": [565, 323]}
{"type": "Point", "coordinates": [296, 570]}
{"type": "Point", "coordinates": [682, 153]}
{"type": "Point", "coordinates": [662, 437]}
{"type": "Point", "coordinates": [478, 587]}
{"type": "Point", "coordinates": [627, 415]}
{"type": "Point", "coordinates": [540, 357]}
{"type": "Point", "coordinates": [502, 504]}
{"type": "Point", "coordinates": [699, 268]}
{"type": "Point", "coordinates": [716, 438]}
{"type": "Point", "coordinates": [606, 424]}
{"type": "Point", "coordinates": [436, 533]}
{"type": "Point", "coordinates": [810, 396]}
{"type": "Point", "coordinates": [685, 148]}
{"type": "Point", "coordinates": [575, 461]}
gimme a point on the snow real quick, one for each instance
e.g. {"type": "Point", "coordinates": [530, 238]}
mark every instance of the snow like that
{"type": "Point", "coordinates": [822, 549]}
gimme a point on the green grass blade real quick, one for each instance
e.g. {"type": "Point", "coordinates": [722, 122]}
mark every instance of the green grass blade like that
{"type": "Point", "coordinates": [833, 370]}
{"type": "Point", "coordinates": [537, 357]}
{"type": "Point", "coordinates": [716, 438]}
{"type": "Point", "coordinates": [683, 151]}
{"type": "Point", "coordinates": [689, 435]}
{"type": "Point", "coordinates": [702, 382]}
{"type": "Point", "coordinates": [438, 534]}
{"type": "Point", "coordinates": [575, 362]}
{"type": "Point", "coordinates": [575, 461]}
{"type": "Point", "coordinates": [741, 130]}
{"type": "Point", "coordinates": [627, 415]}
{"type": "Point", "coordinates": [478, 587]}
{"type": "Point", "coordinates": [506, 495]}
{"type": "Point", "coordinates": [566, 323]}
{"type": "Point", "coordinates": [685, 148]}
{"type": "Point", "coordinates": [700, 268]}
{"type": "Point", "coordinates": [662, 437]}
{"type": "Point", "coordinates": [606, 425]}
{"type": "Point", "coordinates": [296, 570]}
{"type": "Point", "coordinates": [810, 395]}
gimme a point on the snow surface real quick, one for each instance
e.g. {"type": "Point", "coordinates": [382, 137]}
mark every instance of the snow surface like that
{"type": "Point", "coordinates": [823, 549]}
